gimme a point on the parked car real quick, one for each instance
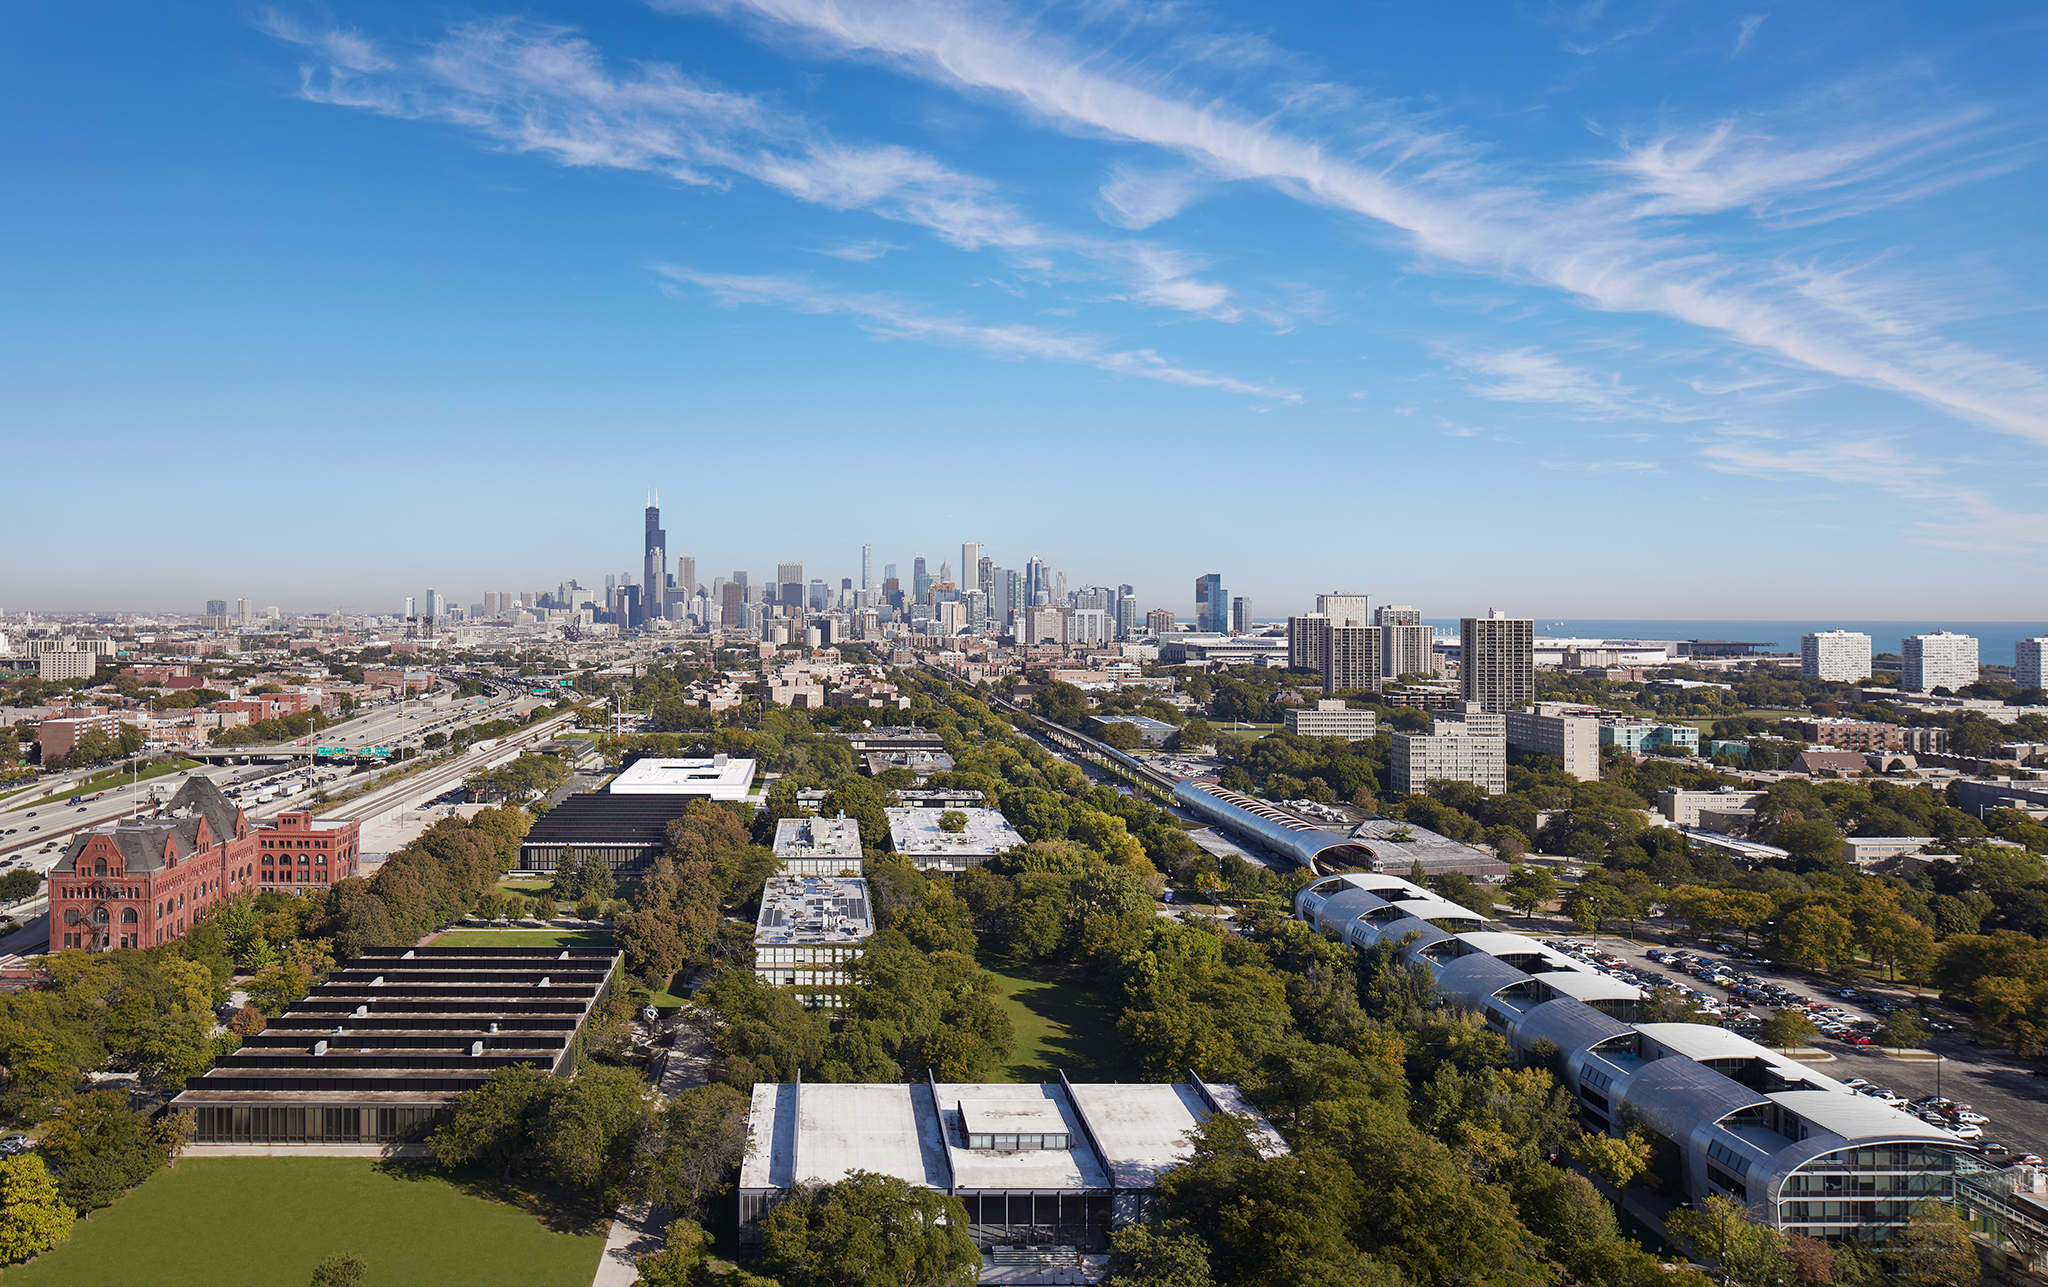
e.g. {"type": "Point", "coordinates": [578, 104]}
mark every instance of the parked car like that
{"type": "Point", "coordinates": [10, 1145]}
{"type": "Point", "coordinates": [1967, 1131]}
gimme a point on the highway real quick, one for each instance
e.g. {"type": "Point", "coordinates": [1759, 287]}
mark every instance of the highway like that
{"type": "Point", "coordinates": [34, 833]}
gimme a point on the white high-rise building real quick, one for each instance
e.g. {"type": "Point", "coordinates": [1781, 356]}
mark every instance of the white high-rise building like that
{"type": "Point", "coordinates": [245, 612]}
{"type": "Point", "coordinates": [2027, 656]}
{"type": "Point", "coordinates": [867, 567]}
{"type": "Point", "coordinates": [1405, 649]}
{"type": "Point", "coordinates": [1943, 659]}
{"type": "Point", "coordinates": [1344, 609]}
{"type": "Point", "coordinates": [970, 566]}
{"type": "Point", "coordinates": [1468, 745]}
{"type": "Point", "coordinates": [1839, 655]}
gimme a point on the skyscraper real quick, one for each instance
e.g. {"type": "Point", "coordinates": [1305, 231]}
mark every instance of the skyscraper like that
{"type": "Point", "coordinates": [789, 583]}
{"type": "Point", "coordinates": [654, 564]}
{"type": "Point", "coordinates": [970, 566]}
{"type": "Point", "coordinates": [686, 576]}
{"type": "Point", "coordinates": [1840, 655]}
{"type": "Point", "coordinates": [1307, 644]}
{"type": "Point", "coordinates": [1212, 606]}
{"type": "Point", "coordinates": [867, 567]}
{"type": "Point", "coordinates": [2027, 656]}
{"type": "Point", "coordinates": [985, 575]}
{"type": "Point", "coordinates": [216, 607]}
{"type": "Point", "coordinates": [1345, 609]}
{"type": "Point", "coordinates": [1497, 666]}
{"type": "Point", "coordinates": [1397, 614]}
{"type": "Point", "coordinates": [1351, 658]}
{"type": "Point", "coordinates": [1406, 649]}
{"type": "Point", "coordinates": [1940, 660]}
{"type": "Point", "coordinates": [1240, 615]}
{"type": "Point", "coordinates": [920, 580]}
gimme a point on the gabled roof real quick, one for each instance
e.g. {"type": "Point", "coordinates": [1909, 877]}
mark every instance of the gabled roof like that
{"type": "Point", "coordinates": [223, 816]}
{"type": "Point", "coordinates": [144, 846]}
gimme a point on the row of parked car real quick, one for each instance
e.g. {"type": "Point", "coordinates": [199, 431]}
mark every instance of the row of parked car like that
{"type": "Point", "coordinates": [1621, 968]}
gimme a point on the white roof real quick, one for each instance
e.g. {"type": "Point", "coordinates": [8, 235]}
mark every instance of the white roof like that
{"type": "Point", "coordinates": [916, 831]}
{"type": "Point", "coordinates": [1140, 1126]}
{"type": "Point", "coordinates": [818, 838]}
{"type": "Point", "coordinates": [1020, 1109]}
{"type": "Point", "coordinates": [1584, 985]}
{"type": "Point", "coordinates": [718, 777]}
{"type": "Point", "coordinates": [1854, 1116]}
{"type": "Point", "coordinates": [1495, 943]}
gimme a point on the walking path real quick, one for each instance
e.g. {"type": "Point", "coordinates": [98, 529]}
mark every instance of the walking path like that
{"type": "Point", "coordinates": [638, 1231]}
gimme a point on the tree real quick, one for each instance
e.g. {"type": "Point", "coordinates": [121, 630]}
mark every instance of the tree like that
{"type": "Point", "coordinates": [493, 1124]}
{"type": "Point", "coordinates": [1902, 1030]}
{"type": "Point", "coordinates": [340, 1270]}
{"type": "Point", "coordinates": [33, 1218]}
{"type": "Point", "coordinates": [1787, 1030]}
{"type": "Point", "coordinates": [699, 1137]}
{"type": "Point", "coordinates": [953, 820]}
{"type": "Point", "coordinates": [248, 1021]}
{"type": "Point", "coordinates": [1196, 732]}
{"type": "Point", "coordinates": [102, 1148]}
{"type": "Point", "coordinates": [19, 884]}
{"type": "Point", "coordinates": [876, 1230]}
{"type": "Point", "coordinates": [1143, 1255]}
{"type": "Point", "coordinates": [1617, 1160]}
{"type": "Point", "coordinates": [675, 1265]}
{"type": "Point", "coordinates": [1120, 736]}
{"type": "Point", "coordinates": [1816, 936]}
{"type": "Point", "coordinates": [591, 1128]}
{"type": "Point", "coordinates": [1934, 1249]}
{"type": "Point", "coordinates": [1594, 901]}
{"type": "Point", "coordinates": [1750, 1255]}
{"type": "Point", "coordinates": [1530, 888]}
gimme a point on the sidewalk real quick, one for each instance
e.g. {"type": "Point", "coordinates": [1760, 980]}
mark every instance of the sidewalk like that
{"type": "Point", "coordinates": [635, 1232]}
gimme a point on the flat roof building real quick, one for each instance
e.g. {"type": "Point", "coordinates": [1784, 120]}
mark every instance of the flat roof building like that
{"type": "Point", "coordinates": [809, 932]}
{"type": "Point", "coordinates": [625, 831]}
{"type": "Point", "coordinates": [1333, 717]}
{"type": "Point", "coordinates": [1839, 655]}
{"type": "Point", "coordinates": [719, 777]}
{"type": "Point", "coordinates": [818, 846]}
{"type": "Point", "coordinates": [1943, 659]}
{"type": "Point", "coordinates": [1572, 738]}
{"type": "Point", "coordinates": [921, 761]}
{"type": "Point", "coordinates": [1059, 1164]}
{"type": "Point", "coordinates": [379, 1053]}
{"type": "Point", "coordinates": [917, 835]}
{"type": "Point", "coordinates": [1151, 732]}
{"type": "Point", "coordinates": [1377, 844]}
{"type": "Point", "coordinates": [1468, 745]}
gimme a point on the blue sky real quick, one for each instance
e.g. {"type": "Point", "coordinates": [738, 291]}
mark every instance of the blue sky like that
{"type": "Point", "coordinates": [1607, 309]}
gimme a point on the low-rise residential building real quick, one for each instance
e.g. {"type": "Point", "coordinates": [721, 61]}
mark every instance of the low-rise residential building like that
{"type": "Point", "coordinates": [813, 846]}
{"type": "Point", "coordinates": [1465, 745]}
{"type": "Point", "coordinates": [921, 835]}
{"type": "Point", "coordinates": [1333, 717]}
{"type": "Point", "coordinates": [1867, 735]}
{"type": "Point", "coordinates": [810, 932]}
{"type": "Point", "coordinates": [1552, 729]}
{"type": "Point", "coordinates": [1831, 764]}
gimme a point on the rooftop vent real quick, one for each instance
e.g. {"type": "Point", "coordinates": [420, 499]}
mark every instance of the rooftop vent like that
{"type": "Point", "coordinates": [319, 1047]}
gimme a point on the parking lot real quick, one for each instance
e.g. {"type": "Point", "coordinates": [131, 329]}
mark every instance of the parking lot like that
{"type": "Point", "coordinates": [1993, 1084]}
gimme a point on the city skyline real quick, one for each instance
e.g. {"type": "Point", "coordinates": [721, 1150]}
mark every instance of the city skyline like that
{"type": "Point", "coordinates": [1739, 284]}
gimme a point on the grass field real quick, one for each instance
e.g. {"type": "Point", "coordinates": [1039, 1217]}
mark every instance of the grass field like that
{"type": "Point", "coordinates": [526, 938]}
{"type": "Point", "coordinates": [1058, 1026]}
{"type": "Point", "coordinates": [526, 888]}
{"type": "Point", "coordinates": [112, 778]}
{"type": "Point", "coordinates": [267, 1221]}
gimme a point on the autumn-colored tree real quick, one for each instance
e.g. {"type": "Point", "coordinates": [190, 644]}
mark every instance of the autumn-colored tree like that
{"type": "Point", "coordinates": [1615, 1159]}
{"type": "Point", "coordinates": [33, 1218]}
{"type": "Point", "coordinates": [248, 1021]}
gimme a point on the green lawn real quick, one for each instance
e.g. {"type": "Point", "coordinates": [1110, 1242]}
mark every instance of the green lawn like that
{"type": "Point", "coordinates": [112, 778]}
{"type": "Point", "coordinates": [1058, 1024]}
{"type": "Point", "coordinates": [526, 938]}
{"type": "Point", "coordinates": [266, 1221]}
{"type": "Point", "coordinates": [526, 888]}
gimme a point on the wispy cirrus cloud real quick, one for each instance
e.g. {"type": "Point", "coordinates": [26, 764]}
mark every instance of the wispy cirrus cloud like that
{"type": "Point", "coordinates": [1610, 249]}
{"type": "Point", "coordinates": [1528, 374]}
{"type": "Point", "coordinates": [889, 317]}
{"type": "Point", "coordinates": [546, 89]}
{"type": "Point", "coordinates": [1952, 516]}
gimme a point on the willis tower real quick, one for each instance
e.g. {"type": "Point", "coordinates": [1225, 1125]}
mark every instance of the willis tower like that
{"type": "Point", "coordinates": [654, 568]}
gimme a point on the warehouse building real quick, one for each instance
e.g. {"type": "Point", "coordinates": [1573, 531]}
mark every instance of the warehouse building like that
{"type": "Point", "coordinates": [379, 1053]}
{"type": "Point", "coordinates": [1802, 1151]}
{"type": "Point", "coordinates": [1053, 1165]}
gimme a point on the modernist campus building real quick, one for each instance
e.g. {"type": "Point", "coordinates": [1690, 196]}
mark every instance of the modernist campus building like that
{"type": "Point", "coordinates": [1053, 1165]}
{"type": "Point", "coordinates": [1801, 1150]}
{"type": "Point", "coordinates": [379, 1053]}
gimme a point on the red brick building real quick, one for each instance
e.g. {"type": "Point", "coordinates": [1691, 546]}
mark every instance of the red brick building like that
{"type": "Point", "coordinates": [143, 882]}
{"type": "Point", "coordinates": [292, 849]}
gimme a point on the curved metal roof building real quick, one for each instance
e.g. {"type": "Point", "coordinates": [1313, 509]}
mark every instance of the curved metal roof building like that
{"type": "Point", "coordinates": [1801, 1150]}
